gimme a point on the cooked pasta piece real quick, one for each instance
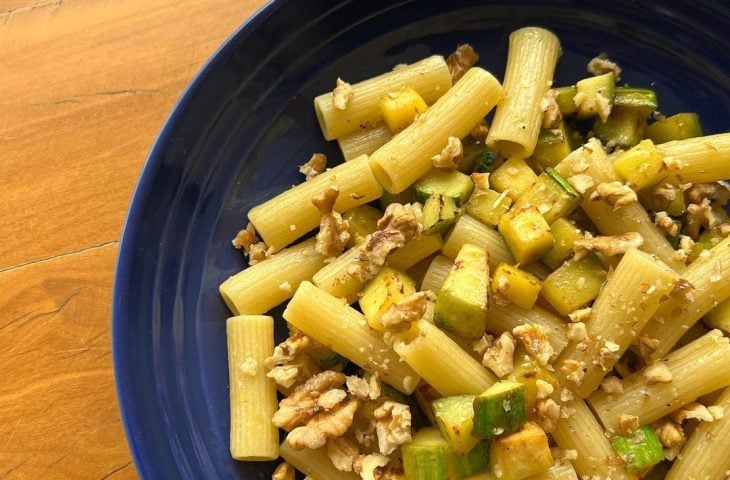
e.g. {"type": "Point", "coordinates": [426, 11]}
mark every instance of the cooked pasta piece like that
{"type": "Point", "coordinates": [436, 273]}
{"type": "Point", "coordinates": [442, 362]}
{"type": "Point", "coordinates": [253, 394]}
{"type": "Point", "coordinates": [314, 463]}
{"type": "Point", "coordinates": [414, 251]}
{"type": "Point", "coordinates": [263, 286]}
{"type": "Point", "coordinates": [706, 455]}
{"type": "Point", "coordinates": [591, 159]}
{"type": "Point", "coordinates": [582, 432]}
{"type": "Point", "coordinates": [409, 155]}
{"type": "Point", "coordinates": [335, 279]}
{"type": "Point", "coordinates": [506, 317]}
{"type": "Point", "coordinates": [291, 214]}
{"type": "Point", "coordinates": [626, 302]}
{"type": "Point", "coordinates": [651, 393]}
{"type": "Point", "coordinates": [533, 53]}
{"type": "Point", "coordinates": [709, 285]}
{"type": "Point", "coordinates": [343, 329]}
{"type": "Point", "coordinates": [697, 160]}
{"type": "Point", "coordinates": [364, 142]}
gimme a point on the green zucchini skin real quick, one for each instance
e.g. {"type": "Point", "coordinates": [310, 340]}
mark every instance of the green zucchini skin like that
{"type": "Point", "coordinates": [450, 183]}
{"type": "Point", "coordinates": [641, 450]}
{"type": "Point", "coordinates": [455, 419]}
{"type": "Point", "coordinates": [439, 214]}
{"type": "Point", "coordinates": [500, 410]}
{"type": "Point", "coordinates": [427, 456]}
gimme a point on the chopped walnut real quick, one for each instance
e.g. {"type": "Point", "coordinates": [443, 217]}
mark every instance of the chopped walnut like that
{"type": "Point", "coordinates": [342, 94]}
{"type": "Point", "coordinates": [285, 375]}
{"type": "Point", "coordinates": [323, 425]}
{"type": "Point", "coordinates": [573, 370]}
{"type": "Point", "coordinates": [670, 434]}
{"type": "Point", "coordinates": [331, 398]}
{"type": "Point", "coordinates": [692, 411]}
{"type": "Point", "coordinates": [601, 65]}
{"type": "Point", "coordinates": [245, 238]}
{"type": "Point", "coordinates": [398, 225]}
{"type": "Point", "coordinates": [665, 223]}
{"type": "Point", "coordinates": [258, 252]}
{"type": "Point", "coordinates": [686, 245]}
{"type": "Point", "coordinates": [479, 133]}
{"type": "Point", "coordinates": [249, 367]}
{"type": "Point", "coordinates": [364, 389]}
{"type": "Point", "coordinates": [647, 345]}
{"type": "Point", "coordinates": [450, 156]}
{"type": "Point", "coordinates": [612, 384]}
{"type": "Point", "coordinates": [463, 58]}
{"type": "Point", "coordinates": [370, 467]}
{"type": "Point", "coordinates": [615, 194]}
{"type": "Point", "coordinates": [548, 414]}
{"type": "Point", "coordinates": [581, 315]}
{"type": "Point", "coordinates": [401, 315]}
{"type": "Point", "coordinates": [627, 424]}
{"type": "Point", "coordinates": [577, 331]}
{"type": "Point", "coordinates": [582, 182]}
{"type": "Point", "coordinates": [481, 183]}
{"type": "Point", "coordinates": [566, 395]}
{"type": "Point", "coordinates": [499, 355]}
{"type": "Point", "coordinates": [393, 426]}
{"type": "Point", "coordinates": [607, 355]}
{"type": "Point", "coordinates": [299, 407]}
{"type": "Point", "coordinates": [314, 166]}
{"type": "Point", "coordinates": [718, 191]}
{"type": "Point", "coordinates": [717, 411]}
{"type": "Point", "coordinates": [333, 235]}
{"type": "Point", "coordinates": [551, 115]}
{"type": "Point", "coordinates": [699, 216]}
{"type": "Point", "coordinates": [664, 195]}
{"type": "Point", "coordinates": [534, 338]}
{"type": "Point", "coordinates": [296, 344]}
{"type": "Point", "coordinates": [657, 373]}
{"type": "Point", "coordinates": [284, 472]}
{"type": "Point", "coordinates": [342, 452]}
{"type": "Point", "coordinates": [609, 245]}
{"type": "Point", "coordinates": [544, 389]}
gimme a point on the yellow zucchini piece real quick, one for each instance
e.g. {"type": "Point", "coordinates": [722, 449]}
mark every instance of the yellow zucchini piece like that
{"type": "Point", "coordinates": [574, 284]}
{"type": "Point", "coordinates": [400, 108]}
{"type": "Point", "coordinates": [488, 206]}
{"type": "Point", "coordinates": [564, 97]}
{"type": "Point", "coordinates": [387, 288]}
{"type": "Point", "coordinates": [642, 166]}
{"type": "Point", "coordinates": [526, 234]}
{"type": "Point", "coordinates": [676, 127]}
{"type": "Point", "coordinates": [521, 454]}
{"type": "Point", "coordinates": [527, 371]}
{"type": "Point", "coordinates": [553, 196]}
{"type": "Point", "coordinates": [361, 221]}
{"type": "Point", "coordinates": [623, 129]}
{"type": "Point", "coordinates": [553, 145]}
{"type": "Point", "coordinates": [514, 177]}
{"type": "Point", "coordinates": [594, 96]}
{"type": "Point", "coordinates": [518, 286]}
{"type": "Point", "coordinates": [565, 234]}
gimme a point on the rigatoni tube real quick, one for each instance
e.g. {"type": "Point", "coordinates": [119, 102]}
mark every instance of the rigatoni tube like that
{"type": "Point", "coordinates": [697, 160]}
{"type": "Point", "coordinates": [502, 318]}
{"type": "Point", "coordinates": [262, 286]}
{"type": "Point", "coordinates": [315, 463]}
{"type": "Point", "coordinates": [291, 214]}
{"type": "Point", "coordinates": [343, 329]}
{"type": "Point", "coordinates": [253, 394]}
{"type": "Point", "coordinates": [409, 155]}
{"type": "Point", "coordinates": [364, 142]}
{"type": "Point", "coordinates": [430, 78]}
{"type": "Point", "coordinates": [533, 54]}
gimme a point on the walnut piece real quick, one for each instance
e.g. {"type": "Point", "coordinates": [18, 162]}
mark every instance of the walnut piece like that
{"type": "Point", "coordinates": [401, 315]}
{"type": "Point", "coordinates": [534, 338]}
{"type": "Point", "coordinates": [450, 156]}
{"type": "Point", "coordinates": [314, 166]}
{"type": "Point", "coordinates": [393, 426]}
{"type": "Point", "coordinates": [573, 370]}
{"type": "Point", "coordinates": [544, 389]}
{"type": "Point", "coordinates": [693, 411]}
{"type": "Point", "coordinates": [285, 375]}
{"type": "Point", "coordinates": [398, 225]}
{"type": "Point", "coordinates": [284, 472]}
{"type": "Point", "coordinates": [342, 452]}
{"type": "Point", "coordinates": [299, 407]}
{"type": "Point", "coordinates": [323, 425]}
{"type": "Point", "coordinates": [364, 389]}
{"type": "Point", "coordinates": [665, 223]}
{"type": "Point", "coordinates": [582, 182]}
{"type": "Point", "coordinates": [699, 216]}
{"type": "Point", "coordinates": [612, 384]}
{"type": "Point", "coordinates": [342, 94]}
{"type": "Point", "coordinates": [481, 183]}
{"type": "Point", "coordinates": [463, 58]}
{"type": "Point", "coordinates": [370, 467]}
{"type": "Point", "coordinates": [551, 115]}
{"type": "Point", "coordinates": [657, 373]}
{"type": "Point", "coordinates": [717, 411]}
{"type": "Point", "coordinates": [247, 241]}
{"type": "Point", "coordinates": [548, 414]}
{"type": "Point", "coordinates": [607, 355]}
{"type": "Point", "coordinates": [601, 65]}
{"type": "Point", "coordinates": [479, 133]}
{"type": "Point", "coordinates": [717, 191]}
{"type": "Point", "coordinates": [581, 315]}
{"type": "Point", "coordinates": [499, 355]}
{"type": "Point", "coordinates": [615, 194]}
{"type": "Point", "coordinates": [249, 367]}
{"type": "Point", "coordinates": [577, 331]}
{"type": "Point", "coordinates": [670, 434]}
{"type": "Point", "coordinates": [609, 245]}
{"type": "Point", "coordinates": [333, 236]}
{"type": "Point", "coordinates": [627, 424]}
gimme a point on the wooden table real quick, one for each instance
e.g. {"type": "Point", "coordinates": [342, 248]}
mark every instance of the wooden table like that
{"type": "Point", "coordinates": [84, 88]}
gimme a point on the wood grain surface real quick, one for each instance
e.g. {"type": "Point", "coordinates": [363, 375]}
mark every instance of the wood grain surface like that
{"type": "Point", "coordinates": [85, 86]}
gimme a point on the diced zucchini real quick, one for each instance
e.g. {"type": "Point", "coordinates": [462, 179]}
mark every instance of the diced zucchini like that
{"type": "Point", "coordinates": [643, 99]}
{"type": "Point", "coordinates": [553, 145]}
{"type": "Point", "coordinates": [553, 196]}
{"type": "Point", "coordinates": [574, 284]}
{"type": "Point", "coordinates": [476, 155]}
{"type": "Point", "coordinates": [450, 183]}
{"type": "Point", "coordinates": [387, 288]}
{"type": "Point", "coordinates": [518, 286]}
{"type": "Point", "coordinates": [400, 108]}
{"type": "Point", "coordinates": [594, 96]}
{"type": "Point", "coordinates": [639, 451]}
{"type": "Point", "coordinates": [527, 372]}
{"type": "Point", "coordinates": [623, 129]}
{"type": "Point", "coordinates": [488, 206]}
{"type": "Point", "coordinates": [514, 177]}
{"type": "Point", "coordinates": [455, 419]}
{"type": "Point", "coordinates": [361, 221]}
{"type": "Point", "coordinates": [427, 457]}
{"type": "Point", "coordinates": [565, 234]}
{"type": "Point", "coordinates": [526, 234]}
{"type": "Point", "coordinates": [719, 317]}
{"type": "Point", "coordinates": [652, 200]}
{"type": "Point", "coordinates": [439, 213]}
{"type": "Point", "coordinates": [521, 454]}
{"type": "Point", "coordinates": [471, 463]}
{"type": "Point", "coordinates": [564, 97]}
{"type": "Point", "coordinates": [461, 305]}
{"type": "Point", "coordinates": [676, 127]}
{"type": "Point", "coordinates": [406, 196]}
{"type": "Point", "coordinates": [500, 410]}
{"type": "Point", "coordinates": [706, 240]}
{"type": "Point", "coordinates": [642, 166]}
{"type": "Point", "coordinates": [487, 161]}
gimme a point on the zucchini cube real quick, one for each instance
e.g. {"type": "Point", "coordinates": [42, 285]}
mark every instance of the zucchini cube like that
{"type": "Point", "coordinates": [455, 420]}
{"type": "Point", "coordinates": [565, 98]}
{"type": "Point", "coordinates": [387, 288]}
{"type": "Point", "coordinates": [461, 305]}
{"type": "Point", "coordinates": [514, 177]}
{"type": "Point", "coordinates": [488, 206]}
{"type": "Point", "coordinates": [521, 454]}
{"type": "Point", "coordinates": [639, 451]}
{"type": "Point", "coordinates": [574, 284]}
{"type": "Point", "coordinates": [676, 127]}
{"type": "Point", "coordinates": [552, 194]}
{"type": "Point", "coordinates": [624, 127]}
{"type": "Point", "coordinates": [594, 96]}
{"type": "Point", "coordinates": [641, 167]}
{"type": "Point", "coordinates": [527, 372]}
{"type": "Point", "coordinates": [361, 221]}
{"type": "Point", "coordinates": [643, 99]}
{"type": "Point", "coordinates": [526, 234]}
{"type": "Point", "coordinates": [565, 234]}
{"type": "Point", "coordinates": [400, 108]}
{"type": "Point", "coordinates": [500, 410]}
{"type": "Point", "coordinates": [450, 183]}
{"type": "Point", "coordinates": [439, 214]}
{"type": "Point", "coordinates": [406, 196]}
{"type": "Point", "coordinates": [553, 145]}
{"type": "Point", "coordinates": [428, 456]}
{"type": "Point", "coordinates": [518, 286]}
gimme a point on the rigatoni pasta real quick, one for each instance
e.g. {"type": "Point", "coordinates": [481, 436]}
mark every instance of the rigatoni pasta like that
{"type": "Point", "coordinates": [698, 160]}
{"type": "Point", "coordinates": [364, 142]}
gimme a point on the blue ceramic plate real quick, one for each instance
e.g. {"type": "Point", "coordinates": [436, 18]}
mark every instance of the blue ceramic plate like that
{"type": "Point", "coordinates": [238, 133]}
